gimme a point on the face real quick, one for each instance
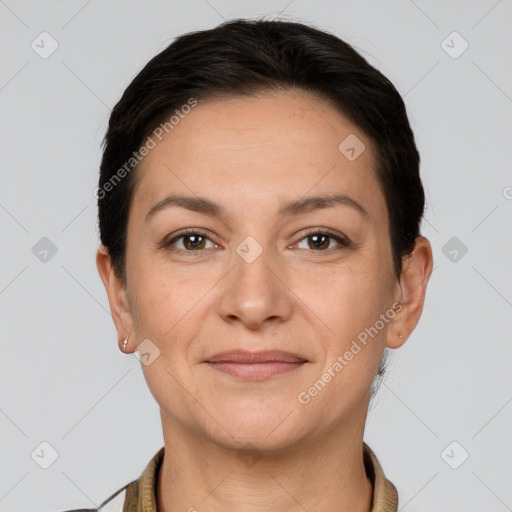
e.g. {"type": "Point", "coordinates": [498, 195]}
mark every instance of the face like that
{"type": "Point", "coordinates": [270, 270]}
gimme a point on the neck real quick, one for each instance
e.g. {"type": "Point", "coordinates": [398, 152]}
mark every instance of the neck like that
{"type": "Point", "coordinates": [327, 473]}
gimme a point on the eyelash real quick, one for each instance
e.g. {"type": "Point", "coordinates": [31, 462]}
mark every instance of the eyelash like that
{"type": "Point", "coordinates": [343, 241]}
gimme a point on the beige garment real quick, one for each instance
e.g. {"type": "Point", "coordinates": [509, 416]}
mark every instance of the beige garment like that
{"type": "Point", "coordinates": [139, 495]}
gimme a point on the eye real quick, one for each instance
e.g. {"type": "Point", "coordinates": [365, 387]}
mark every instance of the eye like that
{"type": "Point", "coordinates": [320, 241]}
{"type": "Point", "coordinates": [191, 241]}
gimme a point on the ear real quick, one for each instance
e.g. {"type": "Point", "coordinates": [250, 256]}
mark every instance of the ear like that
{"type": "Point", "coordinates": [410, 293]}
{"type": "Point", "coordinates": [117, 297]}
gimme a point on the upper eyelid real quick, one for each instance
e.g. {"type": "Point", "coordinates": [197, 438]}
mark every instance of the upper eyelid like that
{"type": "Point", "coordinates": [343, 240]}
{"type": "Point", "coordinates": [189, 231]}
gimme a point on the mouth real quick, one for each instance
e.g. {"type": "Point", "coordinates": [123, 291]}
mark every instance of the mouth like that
{"type": "Point", "coordinates": [255, 366]}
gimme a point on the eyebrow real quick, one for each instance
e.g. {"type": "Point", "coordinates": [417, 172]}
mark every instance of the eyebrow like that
{"type": "Point", "coordinates": [295, 207]}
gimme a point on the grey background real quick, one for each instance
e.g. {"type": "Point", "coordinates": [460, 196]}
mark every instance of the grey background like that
{"type": "Point", "coordinates": [63, 379]}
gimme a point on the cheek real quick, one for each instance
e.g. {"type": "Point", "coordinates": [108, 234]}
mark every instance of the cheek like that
{"type": "Point", "coordinates": [354, 345]}
{"type": "Point", "coordinates": [352, 305]}
{"type": "Point", "coordinates": [169, 308]}
{"type": "Point", "coordinates": [160, 296]}
{"type": "Point", "coordinates": [354, 295]}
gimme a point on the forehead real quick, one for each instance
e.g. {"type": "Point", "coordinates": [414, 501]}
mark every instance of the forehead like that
{"type": "Point", "coordinates": [279, 144]}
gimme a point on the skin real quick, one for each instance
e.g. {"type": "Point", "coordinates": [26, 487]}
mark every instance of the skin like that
{"type": "Point", "coordinates": [251, 155]}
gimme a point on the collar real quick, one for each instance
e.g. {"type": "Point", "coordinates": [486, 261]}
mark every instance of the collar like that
{"type": "Point", "coordinates": [140, 494]}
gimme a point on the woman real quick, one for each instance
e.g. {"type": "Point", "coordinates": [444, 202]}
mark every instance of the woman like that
{"type": "Point", "coordinates": [259, 208]}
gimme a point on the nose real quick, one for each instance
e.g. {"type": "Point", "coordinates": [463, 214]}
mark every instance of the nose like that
{"type": "Point", "coordinates": [255, 293]}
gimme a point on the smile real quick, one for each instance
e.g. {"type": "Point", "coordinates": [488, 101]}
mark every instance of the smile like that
{"type": "Point", "coordinates": [255, 371]}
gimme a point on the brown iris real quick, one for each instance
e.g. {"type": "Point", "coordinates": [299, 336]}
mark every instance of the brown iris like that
{"type": "Point", "coordinates": [324, 241]}
{"type": "Point", "coordinates": [196, 242]}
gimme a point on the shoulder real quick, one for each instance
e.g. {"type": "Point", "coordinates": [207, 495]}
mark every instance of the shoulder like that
{"type": "Point", "coordinates": [114, 503]}
{"type": "Point", "coordinates": [134, 495]}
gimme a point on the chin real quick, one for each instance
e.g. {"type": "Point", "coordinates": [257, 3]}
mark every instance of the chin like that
{"type": "Point", "coordinates": [264, 426]}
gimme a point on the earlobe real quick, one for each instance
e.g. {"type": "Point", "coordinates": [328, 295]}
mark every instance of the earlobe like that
{"type": "Point", "coordinates": [119, 304]}
{"type": "Point", "coordinates": [395, 337]}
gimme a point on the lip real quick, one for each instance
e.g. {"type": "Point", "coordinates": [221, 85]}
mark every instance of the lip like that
{"type": "Point", "coordinates": [255, 366]}
{"type": "Point", "coordinates": [262, 356]}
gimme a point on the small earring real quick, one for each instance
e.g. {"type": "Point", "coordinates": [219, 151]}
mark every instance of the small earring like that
{"type": "Point", "coordinates": [125, 342]}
